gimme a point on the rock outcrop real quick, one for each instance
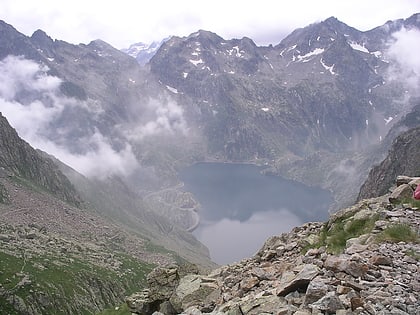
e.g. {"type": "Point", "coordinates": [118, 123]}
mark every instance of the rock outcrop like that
{"type": "Point", "coordinates": [363, 260]}
{"type": "Point", "coordinates": [403, 159]}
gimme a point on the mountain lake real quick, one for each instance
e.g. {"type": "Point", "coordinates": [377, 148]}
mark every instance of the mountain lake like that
{"type": "Point", "coordinates": [241, 207]}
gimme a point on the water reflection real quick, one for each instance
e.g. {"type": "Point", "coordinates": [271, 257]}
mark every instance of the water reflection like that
{"type": "Point", "coordinates": [232, 240]}
{"type": "Point", "coordinates": [241, 207]}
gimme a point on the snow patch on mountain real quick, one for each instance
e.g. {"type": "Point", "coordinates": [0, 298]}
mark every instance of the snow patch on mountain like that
{"type": "Point", "coordinates": [329, 68]}
{"type": "Point", "coordinates": [196, 62]}
{"type": "Point", "coordinates": [307, 57]}
{"type": "Point", "coordinates": [357, 46]}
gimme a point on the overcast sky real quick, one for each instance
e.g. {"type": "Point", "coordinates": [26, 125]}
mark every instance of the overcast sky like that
{"type": "Point", "coordinates": [124, 22]}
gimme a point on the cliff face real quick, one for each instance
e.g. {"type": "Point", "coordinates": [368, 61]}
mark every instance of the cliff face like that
{"type": "Point", "coordinates": [403, 159]}
{"type": "Point", "coordinates": [19, 159]}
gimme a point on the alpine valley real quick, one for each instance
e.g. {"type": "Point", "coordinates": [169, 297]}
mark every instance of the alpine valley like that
{"type": "Point", "coordinates": [99, 203]}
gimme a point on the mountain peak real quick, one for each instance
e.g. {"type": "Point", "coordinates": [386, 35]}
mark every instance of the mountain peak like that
{"type": "Point", "coordinates": [204, 36]}
{"type": "Point", "coordinates": [42, 39]}
{"type": "Point", "coordinates": [332, 20]}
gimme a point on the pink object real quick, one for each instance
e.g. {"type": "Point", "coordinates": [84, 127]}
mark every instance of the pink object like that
{"type": "Point", "coordinates": [416, 194]}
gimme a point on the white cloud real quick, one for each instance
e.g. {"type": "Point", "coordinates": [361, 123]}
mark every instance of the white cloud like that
{"type": "Point", "coordinates": [122, 24]}
{"type": "Point", "coordinates": [405, 51]}
{"type": "Point", "coordinates": [158, 117]}
{"type": "Point", "coordinates": [30, 100]}
{"type": "Point", "coordinates": [101, 162]}
{"type": "Point", "coordinates": [20, 75]}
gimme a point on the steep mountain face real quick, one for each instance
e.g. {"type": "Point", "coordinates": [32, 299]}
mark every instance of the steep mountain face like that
{"type": "Point", "coordinates": [321, 88]}
{"type": "Point", "coordinates": [18, 158]}
{"type": "Point", "coordinates": [402, 159]}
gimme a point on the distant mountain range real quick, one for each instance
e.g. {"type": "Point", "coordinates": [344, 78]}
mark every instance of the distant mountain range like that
{"type": "Point", "coordinates": [143, 52]}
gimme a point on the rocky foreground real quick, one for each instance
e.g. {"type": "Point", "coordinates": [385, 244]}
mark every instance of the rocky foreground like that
{"type": "Point", "coordinates": [364, 260]}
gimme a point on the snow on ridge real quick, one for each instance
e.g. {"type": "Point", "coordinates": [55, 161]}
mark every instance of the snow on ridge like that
{"type": "Point", "coordinates": [235, 50]}
{"type": "Point", "coordinates": [377, 53]}
{"type": "Point", "coordinates": [172, 89]}
{"type": "Point", "coordinates": [388, 120]}
{"type": "Point", "coordinates": [196, 62]}
{"type": "Point", "coordinates": [357, 46]}
{"type": "Point", "coordinates": [315, 52]}
{"type": "Point", "coordinates": [329, 68]}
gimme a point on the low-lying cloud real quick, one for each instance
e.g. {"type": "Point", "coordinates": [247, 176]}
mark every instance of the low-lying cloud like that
{"type": "Point", "coordinates": [404, 51]}
{"type": "Point", "coordinates": [30, 99]}
{"type": "Point", "coordinates": [158, 117]}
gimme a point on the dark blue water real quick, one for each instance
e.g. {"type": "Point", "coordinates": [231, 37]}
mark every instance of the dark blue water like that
{"type": "Point", "coordinates": [242, 207]}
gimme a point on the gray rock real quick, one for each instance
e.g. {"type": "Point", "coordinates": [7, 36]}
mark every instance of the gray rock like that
{"type": "Point", "coordinates": [380, 260]}
{"type": "Point", "coordinates": [291, 282]}
{"type": "Point", "coordinates": [4, 237]}
{"type": "Point", "coordinates": [330, 303]}
{"type": "Point", "coordinates": [344, 264]}
{"type": "Point", "coordinates": [195, 290]}
{"type": "Point", "coordinates": [142, 303]}
{"type": "Point", "coordinates": [162, 282]}
{"type": "Point", "coordinates": [317, 288]}
{"type": "Point", "coordinates": [264, 304]}
{"type": "Point", "coordinates": [400, 193]}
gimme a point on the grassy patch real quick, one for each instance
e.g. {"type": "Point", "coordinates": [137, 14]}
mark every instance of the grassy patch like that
{"type": "Point", "coordinates": [409, 201]}
{"type": "Point", "coordinates": [67, 282]}
{"type": "Point", "coordinates": [120, 310]}
{"type": "Point", "coordinates": [334, 235]}
{"type": "Point", "coordinates": [399, 232]}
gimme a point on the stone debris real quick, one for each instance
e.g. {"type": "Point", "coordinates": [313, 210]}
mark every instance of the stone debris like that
{"type": "Point", "coordinates": [295, 273]}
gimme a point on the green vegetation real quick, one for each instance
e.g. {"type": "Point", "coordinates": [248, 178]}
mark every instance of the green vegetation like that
{"type": "Point", "coordinates": [334, 235]}
{"type": "Point", "coordinates": [120, 310]}
{"type": "Point", "coordinates": [410, 201]}
{"type": "Point", "coordinates": [399, 232]}
{"type": "Point", "coordinates": [49, 283]}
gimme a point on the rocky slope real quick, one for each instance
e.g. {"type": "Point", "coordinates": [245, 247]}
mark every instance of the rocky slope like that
{"type": "Point", "coordinates": [363, 260]}
{"type": "Point", "coordinates": [60, 253]}
{"type": "Point", "coordinates": [18, 158]}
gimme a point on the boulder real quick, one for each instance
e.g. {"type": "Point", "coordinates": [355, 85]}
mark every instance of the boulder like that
{"type": "Point", "coordinates": [328, 304]}
{"type": "Point", "coordinates": [196, 290]}
{"type": "Point", "coordinates": [343, 264]}
{"type": "Point", "coordinates": [290, 281]}
{"type": "Point", "coordinates": [258, 305]}
{"type": "Point", "coordinates": [404, 191]}
{"type": "Point", "coordinates": [142, 303]}
{"type": "Point", "coordinates": [380, 260]}
{"type": "Point", "coordinates": [317, 288]}
{"type": "Point", "coordinates": [162, 282]}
